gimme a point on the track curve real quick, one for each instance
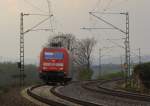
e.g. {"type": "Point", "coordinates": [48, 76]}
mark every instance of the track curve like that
{"type": "Point", "coordinates": [86, 93]}
{"type": "Point", "coordinates": [42, 99]}
{"type": "Point", "coordinates": [101, 88]}
{"type": "Point", "coordinates": [73, 102]}
{"type": "Point", "coordinates": [83, 103]}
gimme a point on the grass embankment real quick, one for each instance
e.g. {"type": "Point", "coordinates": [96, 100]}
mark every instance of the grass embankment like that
{"type": "Point", "coordinates": [112, 76]}
{"type": "Point", "coordinates": [13, 97]}
{"type": "Point", "coordinates": [10, 87]}
{"type": "Point", "coordinates": [10, 76]}
{"type": "Point", "coordinates": [85, 74]}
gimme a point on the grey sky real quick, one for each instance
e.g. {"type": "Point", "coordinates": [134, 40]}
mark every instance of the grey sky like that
{"type": "Point", "coordinates": [69, 17]}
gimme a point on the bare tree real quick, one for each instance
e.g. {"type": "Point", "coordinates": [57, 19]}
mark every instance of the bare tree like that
{"type": "Point", "coordinates": [83, 55]}
{"type": "Point", "coordinates": [65, 40]}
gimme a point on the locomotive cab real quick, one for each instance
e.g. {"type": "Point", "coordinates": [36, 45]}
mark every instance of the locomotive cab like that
{"type": "Point", "coordinates": [54, 65]}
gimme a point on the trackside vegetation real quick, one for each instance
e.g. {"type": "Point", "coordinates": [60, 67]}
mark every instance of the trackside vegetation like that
{"type": "Point", "coordinates": [111, 76]}
{"type": "Point", "coordinates": [9, 75]}
{"type": "Point", "coordinates": [85, 74]}
{"type": "Point", "coordinates": [141, 77]}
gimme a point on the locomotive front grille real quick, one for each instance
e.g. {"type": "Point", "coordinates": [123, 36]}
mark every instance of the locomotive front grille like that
{"type": "Point", "coordinates": [53, 64]}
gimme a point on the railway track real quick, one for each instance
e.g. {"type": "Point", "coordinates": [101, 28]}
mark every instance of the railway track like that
{"type": "Point", "coordinates": [100, 88]}
{"type": "Point", "coordinates": [61, 99]}
{"type": "Point", "coordinates": [88, 93]}
{"type": "Point", "coordinates": [42, 99]}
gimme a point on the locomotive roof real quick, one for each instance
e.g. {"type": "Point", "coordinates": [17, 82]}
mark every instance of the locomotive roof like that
{"type": "Point", "coordinates": [54, 48]}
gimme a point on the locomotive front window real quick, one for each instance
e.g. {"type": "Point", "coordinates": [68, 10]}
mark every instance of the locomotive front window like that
{"type": "Point", "coordinates": [52, 55]}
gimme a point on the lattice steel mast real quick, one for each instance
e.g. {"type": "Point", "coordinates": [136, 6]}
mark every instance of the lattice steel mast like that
{"type": "Point", "coordinates": [127, 47]}
{"type": "Point", "coordinates": [22, 33]}
{"type": "Point", "coordinates": [21, 64]}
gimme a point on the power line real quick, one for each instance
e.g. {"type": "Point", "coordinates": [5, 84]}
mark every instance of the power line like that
{"type": "Point", "coordinates": [108, 6]}
{"type": "Point", "coordinates": [109, 3]}
{"type": "Point", "coordinates": [37, 25]}
{"type": "Point", "coordinates": [44, 29]}
{"type": "Point", "coordinates": [96, 28]}
{"type": "Point", "coordinates": [107, 23]}
{"type": "Point", "coordinates": [138, 55]}
{"type": "Point", "coordinates": [40, 14]}
{"type": "Point", "coordinates": [116, 5]}
{"type": "Point", "coordinates": [116, 43]}
{"type": "Point", "coordinates": [109, 13]}
{"type": "Point", "coordinates": [49, 10]}
{"type": "Point", "coordinates": [98, 3]}
{"type": "Point", "coordinates": [100, 58]}
{"type": "Point", "coordinates": [34, 6]}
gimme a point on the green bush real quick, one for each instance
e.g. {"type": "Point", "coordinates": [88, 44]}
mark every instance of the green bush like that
{"type": "Point", "coordinates": [85, 74]}
{"type": "Point", "coordinates": [143, 71]}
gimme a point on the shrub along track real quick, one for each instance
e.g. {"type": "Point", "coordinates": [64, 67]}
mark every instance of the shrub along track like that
{"type": "Point", "coordinates": [68, 100]}
{"type": "Point", "coordinates": [107, 87]}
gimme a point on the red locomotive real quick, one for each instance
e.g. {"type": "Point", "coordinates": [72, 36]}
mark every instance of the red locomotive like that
{"type": "Point", "coordinates": [54, 65]}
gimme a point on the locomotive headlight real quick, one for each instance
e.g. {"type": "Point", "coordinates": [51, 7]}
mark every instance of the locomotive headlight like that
{"type": "Point", "coordinates": [44, 68]}
{"type": "Point", "coordinates": [61, 68]}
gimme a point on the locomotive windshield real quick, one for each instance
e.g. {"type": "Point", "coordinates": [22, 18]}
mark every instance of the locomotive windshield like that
{"type": "Point", "coordinates": [52, 55]}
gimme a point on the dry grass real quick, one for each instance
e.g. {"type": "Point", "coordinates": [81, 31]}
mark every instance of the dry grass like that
{"type": "Point", "coordinates": [13, 98]}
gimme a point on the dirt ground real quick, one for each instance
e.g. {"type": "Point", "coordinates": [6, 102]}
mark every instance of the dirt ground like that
{"type": "Point", "coordinates": [13, 98]}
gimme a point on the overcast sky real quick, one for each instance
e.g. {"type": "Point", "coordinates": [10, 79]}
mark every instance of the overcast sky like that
{"type": "Point", "coordinates": [69, 17]}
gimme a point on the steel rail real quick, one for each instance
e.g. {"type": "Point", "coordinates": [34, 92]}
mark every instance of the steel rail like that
{"type": "Point", "coordinates": [55, 93]}
{"type": "Point", "coordinates": [41, 99]}
{"type": "Point", "coordinates": [118, 93]}
{"type": "Point", "coordinates": [77, 101]}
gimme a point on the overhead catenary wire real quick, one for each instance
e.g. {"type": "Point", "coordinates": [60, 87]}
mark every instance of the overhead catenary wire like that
{"type": "Point", "coordinates": [109, 13]}
{"type": "Point", "coordinates": [98, 3]}
{"type": "Point", "coordinates": [37, 25]}
{"type": "Point", "coordinates": [34, 6]}
{"type": "Point", "coordinates": [49, 11]}
{"type": "Point", "coordinates": [44, 29]}
{"type": "Point", "coordinates": [116, 43]}
{"type": "Point", "coordinates": [103, 6]}
{"type": "Point", "coordinates": [107, 6]}
{"type": "Point", "coordinates": [38, 14]}
{"type": "Point", "coordinates": [132, 53]}
{"type": "Point", "coordinates": [115, 5]}
{"type": "Point", "coordinates": [113, 26]}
